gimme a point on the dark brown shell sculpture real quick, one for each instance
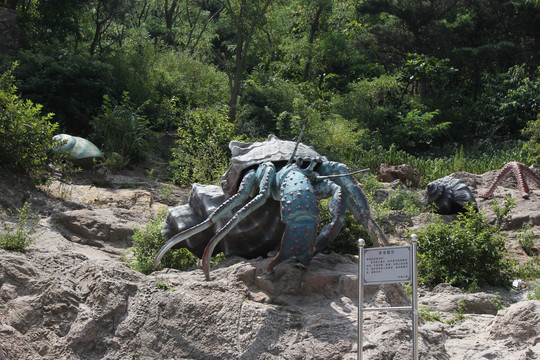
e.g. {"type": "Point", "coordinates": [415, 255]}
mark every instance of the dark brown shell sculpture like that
{"type": "Point", "coordinates": [249, 155]}
{"type": "Point", "coordinates": [447, 196]}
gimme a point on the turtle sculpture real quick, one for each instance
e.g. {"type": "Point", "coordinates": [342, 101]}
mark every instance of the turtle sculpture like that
{"type": "Point", "coordinates": [290, 173]}
{"type": "Point", "coordinates": [80, 152]}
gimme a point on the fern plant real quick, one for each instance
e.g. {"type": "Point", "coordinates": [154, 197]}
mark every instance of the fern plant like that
{"type": "Point", "coordinates": [121, 129]}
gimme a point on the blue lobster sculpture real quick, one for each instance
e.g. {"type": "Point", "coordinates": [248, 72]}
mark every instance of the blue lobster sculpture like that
{"type": "Point", "coordinates": [297, 183]}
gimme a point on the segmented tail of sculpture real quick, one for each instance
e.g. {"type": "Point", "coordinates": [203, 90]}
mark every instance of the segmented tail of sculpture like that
{"type": "Point", "coordinates": [520, 171]}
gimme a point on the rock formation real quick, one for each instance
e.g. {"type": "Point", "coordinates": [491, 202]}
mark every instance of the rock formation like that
{"type": "Point", "coordinates": [71, 296]}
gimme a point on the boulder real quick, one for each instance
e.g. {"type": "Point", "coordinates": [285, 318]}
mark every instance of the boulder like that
{"type": "Point", "coordinates": [406, 173]}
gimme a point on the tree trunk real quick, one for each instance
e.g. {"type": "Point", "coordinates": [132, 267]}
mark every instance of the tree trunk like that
{"type": "Point", "coordinates": [95, 40]}
{"type": "Point", "coordinates": [237, 77]}
{"type": "Point", "coordinates": [170, 14]}
{"type": "Point", "coordinates": [243, 40]}
{"type": "Point", "coordinates": [311, 39]}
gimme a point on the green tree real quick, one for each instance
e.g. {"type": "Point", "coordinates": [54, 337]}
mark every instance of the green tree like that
{"type": "Point", "coordinates": [243, 18]}
{"type": "Point", "coordinates": [508, 103]}
{"type": "Point", "coordinates": [53, 22]}
{"type": "Point", "coordinates": [409, 26]}
{"type": "Point", "coordinates": [25, 135]}
{"type": "Point", "coordinates": [380, 105]}
{"type": "Point", "coordinates": [184, 24]}
{"type": "Point", "coordinates": [108, 15]}
{"type": "Point", "coordinates": [201, 153]}
{"type": "Point", "coordinates": [532, 146]}
{"type": "Point", "coordinates": [67, 84]}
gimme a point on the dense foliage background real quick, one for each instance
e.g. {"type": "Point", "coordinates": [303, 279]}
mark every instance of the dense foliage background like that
{"type": "Point", "coordinates": [435, 83]}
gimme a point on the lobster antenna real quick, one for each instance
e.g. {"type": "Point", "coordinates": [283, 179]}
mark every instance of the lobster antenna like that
{"type": "Point", "coordinates": [342, 175]}
{"type": "Point", "coordinates": [297, 143]}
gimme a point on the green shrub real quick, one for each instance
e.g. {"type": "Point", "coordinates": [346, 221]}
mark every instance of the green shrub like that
{"type": "Point", "coordinates": [463, 252]}
{"type": "Point", "coordinates": [114, 162]}
{"type": "Point", "coordinates": [69, 85]}
{"type": "Point", "coordinates": [201, 153]}
{"type": "Point", "coordinates": [120, 129]}
{"type": "Point", "coordinates": [26, 141]}
{"type": "Point", "coordinates": [347, 240]}
{"type": "Point", "coordinates": [168, 82]}
{"type": "Point", "coordinates": [21, 235]}
{"type": "Point", "coordinates": [532, 146]}
{"type": "Point", "coordinates": [264, 104]}
{"type": "Point", "coordinates": [526, 239]}
{"type": "Point", "coordinates": [336, 137]}
{"type": "Point", "coordinates": [535, 292]}
{"type": "Point", "coordinates": [148, 241]}
{"type": "Point", "coordinates": [433, 167]}
{"type": "Point", "coordinates": [530, 270]}
{"type": "Point", "coordinates": [406, 201]}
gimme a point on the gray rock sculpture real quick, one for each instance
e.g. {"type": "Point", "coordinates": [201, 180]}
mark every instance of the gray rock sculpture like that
{"type": "Point", "coordinates": [203, 201]}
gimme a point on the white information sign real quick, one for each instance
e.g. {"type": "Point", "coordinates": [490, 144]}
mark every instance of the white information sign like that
{"type": "Point", "coordinates": [389, 264]}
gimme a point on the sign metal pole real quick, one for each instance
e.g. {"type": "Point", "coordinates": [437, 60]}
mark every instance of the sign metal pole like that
{"type": "Point", "coordinates": [394, 278]}
{"type": "Point", "coordinates": [361, 244]}
{"type": "Point", "coordinates": [414, 244]}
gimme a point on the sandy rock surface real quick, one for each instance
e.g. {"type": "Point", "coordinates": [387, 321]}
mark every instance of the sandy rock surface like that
{"type": "Point", "coordinates": [70, 295]}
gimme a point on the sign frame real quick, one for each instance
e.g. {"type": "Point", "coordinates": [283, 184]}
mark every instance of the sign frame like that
{"type": "Point", "coordinates": [391, 264]}
{"type": "Point", "coordinates": [413, 308]}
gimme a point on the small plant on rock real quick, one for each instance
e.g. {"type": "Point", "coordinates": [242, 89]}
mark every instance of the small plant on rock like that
{"type": "Point", "coordinates": [428, 314]}
{"type": "Point", "coordinates": [21, 235]}
{"type": "Point", "coordinates": [459, 313]}
{"type": "Point", "coordinates": [526, 240]}
{"type": "Point", "coordinates": [148, 241]}
{"type": "Point", "coordinates": [535, 292]}
{"type": "Point", "coordinates": [529, 270]}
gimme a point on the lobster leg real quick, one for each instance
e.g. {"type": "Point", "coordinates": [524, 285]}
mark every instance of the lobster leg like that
{"type": "Point", "coordinates": [355, 198]}
{"type": "Point", "coordinates": [244, 191]}
{"type": "Point", "coordinates": [337, 206]}
{"type": "Point", "coordinates": [265, 175]}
